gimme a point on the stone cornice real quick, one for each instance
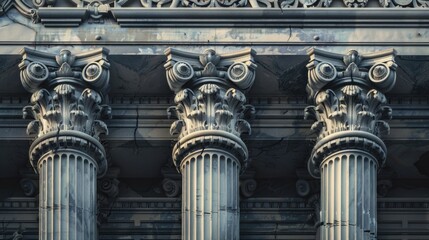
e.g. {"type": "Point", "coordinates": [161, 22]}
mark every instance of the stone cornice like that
{"type": "Point", "coordinates": [234, 13]}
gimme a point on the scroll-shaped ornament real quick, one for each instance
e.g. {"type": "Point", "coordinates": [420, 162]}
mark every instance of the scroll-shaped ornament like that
{"type": "Point", "coordinates": [283, 4]}
{"type": "Point", "coordinates": [382, 75]}
{"type": "Point", "coordinates": [34, 75]}
{"type": "Point", "coordinates": [179, 74]}
{"type": "Point", "coordinates": [240, 74]}
{"type": "Point", "coordinates": [248, 187]}
{"type": "Point", "coordinates": [97, 75]}
{"type": "Point", "coordinates": [171, 187]}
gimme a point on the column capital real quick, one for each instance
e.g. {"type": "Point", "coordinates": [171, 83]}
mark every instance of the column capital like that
{"type": "Point", "coordinates": [67, 95]}
{"type": "Point", "coordinates": [327, 70]}
{"type": "Point", "coordinates": [349, 104]}
{"type": "Point", "coordinates": [230, 70]}
{"type": "Point", "coordinates": [210, 103]}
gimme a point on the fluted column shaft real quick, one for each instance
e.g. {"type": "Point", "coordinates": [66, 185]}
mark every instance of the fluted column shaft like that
{"type": "Point", "coordinates": [349, 108]}
{"type": "Point", "coordinates": [210, 153]}
{"type": "Point", "coordinates": [349, 196]}
{"type": "Point", "coordinates": [68, 196]}
{"type": "Point", "coordinates": [210, 200]}
{"type": "Point", "coordinates": [66, 152]}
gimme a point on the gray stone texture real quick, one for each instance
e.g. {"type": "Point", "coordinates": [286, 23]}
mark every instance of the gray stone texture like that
{"type": "Point", "coordinates": [66, 153]}
{"type": "Point", "coordinates": [349, 110]}
{"type": "Point", "coordinates": [209, 153]}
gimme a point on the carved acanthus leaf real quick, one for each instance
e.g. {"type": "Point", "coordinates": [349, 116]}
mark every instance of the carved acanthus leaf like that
{"type": "Point", "coordinates": [33, 127]}
{"type": "Point", "coordinates": [100, 127]}
{"type": "Point", "coordinates": [210, 107]}
{"type": "Point", "coordinates": [243, 127]}
{"type": "Point", "coordinates": [211, 110]}
{"type": "Point", "coordinates": [66, 109]}
{"type": "Point", "coordinates": [176, 127]}
{"type": "Point", "coordinates": [347, 109]}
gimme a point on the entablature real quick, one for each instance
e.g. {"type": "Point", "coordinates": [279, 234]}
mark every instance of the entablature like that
{"type": "Point", "coordinates": [133, 13]}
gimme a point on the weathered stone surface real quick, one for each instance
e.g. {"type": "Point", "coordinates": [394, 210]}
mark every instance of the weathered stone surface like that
{"type": "Point", "coordinates": [349, 110]}
{"type": "Point", "coordinates": [209, 153]}
{"type": "Point", "coordinates": [66, 153]}
{"type": "Point", "coordinates": [280, 140]}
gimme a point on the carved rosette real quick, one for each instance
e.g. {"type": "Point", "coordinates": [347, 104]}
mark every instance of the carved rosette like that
{"type": "Point", "coordinates": [66, 104]}
{"type": "Point", "coordinates": [212, 107]}
{"type": "Point", "coordinates": [349, 104]}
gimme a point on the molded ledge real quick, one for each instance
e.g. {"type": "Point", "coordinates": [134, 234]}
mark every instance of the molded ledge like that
{"type": "Point", "coordinates": [241, 17]}
{"type": "Point", "coordinates": [61, 17]}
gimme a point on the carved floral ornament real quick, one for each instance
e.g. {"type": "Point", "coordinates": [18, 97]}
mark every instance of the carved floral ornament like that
{"type": "Point", "coordinates": [66, 102]}
{"type": "Point", "coordinates": [210, 103]}
{"type": "Point", "coordinates": [349, 104]}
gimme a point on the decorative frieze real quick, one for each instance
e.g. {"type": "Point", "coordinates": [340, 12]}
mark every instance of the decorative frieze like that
{"type": "Point", "coordinates": [210, 154]}
{"type": "Point", "coordinates": [134, 12]}
{"type": "Point", "coordinates": [67, 95]}
{"type": "Point", "coordinates": [349, 109]}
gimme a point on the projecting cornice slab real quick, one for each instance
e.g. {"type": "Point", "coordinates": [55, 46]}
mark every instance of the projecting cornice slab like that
{"type": "Point", "coordinates": [242, 17]}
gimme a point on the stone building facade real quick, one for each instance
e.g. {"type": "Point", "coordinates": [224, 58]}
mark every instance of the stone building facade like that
{"type": "Point", "coordinates": [210, 119]}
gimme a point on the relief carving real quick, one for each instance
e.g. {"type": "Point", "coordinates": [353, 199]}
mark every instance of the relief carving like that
{"type": "Point", "coordinates": [349, 110]}
{"type": "Point", "coordinates": [211, 106]}
{"type": "Point", "coordinates": [67, 100]}
{"type": "Point", "coordinates": [404, 3]}
{"type": "Point", "coordinates": [95, 11]}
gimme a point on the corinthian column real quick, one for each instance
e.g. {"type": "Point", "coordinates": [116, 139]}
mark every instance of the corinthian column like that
{"type": "Point", "coordinates": [67, 91]}
{"type": "Point", "coordinates": [347, 91]}
{"type": "Point", "coordinates": [209, 152]}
